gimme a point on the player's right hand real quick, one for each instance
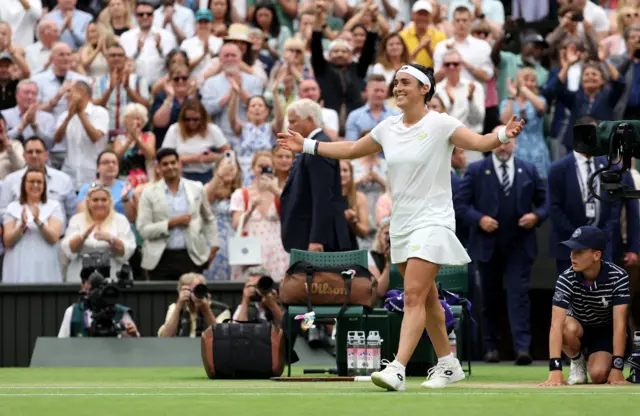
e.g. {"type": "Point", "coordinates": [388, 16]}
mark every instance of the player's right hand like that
{"type": "Point", "coordinates": [291, 140]}
{"type": "Point", "coordinates": [555, 379]}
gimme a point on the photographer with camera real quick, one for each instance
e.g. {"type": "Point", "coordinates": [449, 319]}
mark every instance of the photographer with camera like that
{"type": "Point", "coordinates": [193, 311]}
{"type": "Point", "coordinates": [259, 299]}
{"type": "Point", "coordinates": [97, 314]}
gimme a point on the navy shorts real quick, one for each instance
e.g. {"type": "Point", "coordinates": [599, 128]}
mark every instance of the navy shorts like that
{"type": "Point", "coordinates": [596, 339]}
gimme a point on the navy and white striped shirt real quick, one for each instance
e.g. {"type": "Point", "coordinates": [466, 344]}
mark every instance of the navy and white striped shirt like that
{"type": "Point", "coordinates": [592, 304]}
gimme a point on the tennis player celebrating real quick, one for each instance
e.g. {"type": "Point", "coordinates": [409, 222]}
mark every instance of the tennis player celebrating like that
{"type": "Point", "coordinates": [417, 146]}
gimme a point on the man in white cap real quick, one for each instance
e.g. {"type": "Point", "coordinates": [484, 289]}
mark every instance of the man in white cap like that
{"type": "Point", "coordinates": [420, 38]}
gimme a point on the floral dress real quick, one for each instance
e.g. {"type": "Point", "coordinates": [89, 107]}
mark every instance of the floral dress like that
{"type": "Point", "coordinates": [252, 139]}
{"type": "Point", "coordinates": [220, 269]}
{"type": "Point", "coordinates": [274, 258]}
{"type": "Point", "coordinates": [531, 144]}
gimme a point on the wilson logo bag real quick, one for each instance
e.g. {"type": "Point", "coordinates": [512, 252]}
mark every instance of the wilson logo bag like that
{"type": "Point", "coordinates": [243, 351]}
{"type": "Point", "coordinates": [306, 284]}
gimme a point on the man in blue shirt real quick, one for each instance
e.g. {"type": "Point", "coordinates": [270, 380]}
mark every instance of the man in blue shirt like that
{"type": "Point", "coordinates": [373, 112]}
{"type": "Point", "coordinates": [71, 22]}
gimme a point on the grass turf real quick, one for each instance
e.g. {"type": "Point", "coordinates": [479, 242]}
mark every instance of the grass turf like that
{"type": "Point", "coordinates": [493, 390]}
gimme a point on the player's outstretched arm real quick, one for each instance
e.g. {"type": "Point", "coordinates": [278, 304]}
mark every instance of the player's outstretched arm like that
{"type": "Point", "coordinates": [466, 139]}
{"type": "Point", "coordinates": [616, 376]}
{"type": "Point", "coordinates": [558, 316]}
{"type": "Point", "coordinates": [294, 141]}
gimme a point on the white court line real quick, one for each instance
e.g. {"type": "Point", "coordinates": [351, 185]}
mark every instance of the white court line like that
{"type": "Point", "coordinates": [328, 394]}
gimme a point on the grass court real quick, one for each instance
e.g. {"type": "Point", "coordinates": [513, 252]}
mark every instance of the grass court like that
{"type": "Point", "coordinates": [492, 390]}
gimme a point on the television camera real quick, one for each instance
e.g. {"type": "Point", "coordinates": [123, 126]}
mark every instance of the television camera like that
{"type": "Point", "coordinates": [103, 293]}
{"type": "Point", "coordinates": [619, 141]}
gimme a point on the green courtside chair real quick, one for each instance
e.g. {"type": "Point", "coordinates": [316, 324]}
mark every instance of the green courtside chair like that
{"type": "Point", "coordinates": [455, 280]}
{"type": "Point", "coordinates": [358, 257]}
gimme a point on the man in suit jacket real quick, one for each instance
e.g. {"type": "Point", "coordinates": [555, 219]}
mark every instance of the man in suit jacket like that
{"type": "Point", "coordinates": [175, 219]}
{"type": "Point", "coordinates": [503, 200]}
{"type": "Point", "coordinates": [572, 205]}
{"type": "Point", "coordinates": [311, 205]}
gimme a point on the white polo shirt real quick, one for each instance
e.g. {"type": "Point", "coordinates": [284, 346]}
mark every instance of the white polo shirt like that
{"type": "Point", "coordinates": [82, 153]}
{"type": "Point", "coordinates": [194, 47]}
{"type": "Point", "coordinates": [150, 65]}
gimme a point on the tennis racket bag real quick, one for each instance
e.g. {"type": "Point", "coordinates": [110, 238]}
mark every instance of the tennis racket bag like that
{"type": "Point", "coordinates": [243, 351]}
{"type": "Point", "coordinates": [306, 284]}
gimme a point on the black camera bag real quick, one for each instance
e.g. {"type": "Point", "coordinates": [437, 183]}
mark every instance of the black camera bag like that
{"type": "Point", "coordinates": [243, 351]}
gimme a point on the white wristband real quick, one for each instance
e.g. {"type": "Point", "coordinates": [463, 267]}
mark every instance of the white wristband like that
{"type": "Point", "coordinates": [309, 146]}
{"type": "Point", "coordinates": [502, 135]}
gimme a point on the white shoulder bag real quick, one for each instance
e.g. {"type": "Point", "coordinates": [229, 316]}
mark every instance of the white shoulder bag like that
{"type": "Point", "coordinates": [244, 251]}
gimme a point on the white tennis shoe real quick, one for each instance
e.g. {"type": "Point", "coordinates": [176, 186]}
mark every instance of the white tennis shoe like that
{"type": "Point", "coordinates": [391, 378]}
{"type": "Point", "coordinates": [578, 372]}
{"type": "Point", "coordinates": [443, 374]}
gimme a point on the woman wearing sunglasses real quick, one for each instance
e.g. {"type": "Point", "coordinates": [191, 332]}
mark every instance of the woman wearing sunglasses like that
{"type": "Point", "coordinates": [198, 142]}
{"type": "Point", "coordinates": [167, 104]}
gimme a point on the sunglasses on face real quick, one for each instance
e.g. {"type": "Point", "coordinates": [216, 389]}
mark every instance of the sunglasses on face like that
{"type": "Point", "coordinates": [144, 14]}
{"type": "Point", "coordinates": [180, 79]}
{"type": "Point", "coordinates": [451, 64]}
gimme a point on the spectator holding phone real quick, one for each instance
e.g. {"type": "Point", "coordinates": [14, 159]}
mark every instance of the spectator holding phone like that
{"type": "Point", "coordinates": [198, 142]}
{"type": "Point", "coordinates": [260, 206]}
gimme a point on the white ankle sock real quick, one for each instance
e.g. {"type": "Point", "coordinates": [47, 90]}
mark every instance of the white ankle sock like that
{"type": "Point", "coordinates": [398, 364]}
{"type": "Point", "coordinates": [447, 359]}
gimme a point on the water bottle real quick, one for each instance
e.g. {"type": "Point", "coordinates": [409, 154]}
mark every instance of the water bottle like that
{"type": "Point", "coordinates": [352, 358]}
{"type": "Point", "coordinates": [374, 350]}
{"type": "Point", "coordinates": [361, 353]}
{"type": "Point", "coordinates": [634, 374]}
{"type": "Point", "coordinates": [453, 344]}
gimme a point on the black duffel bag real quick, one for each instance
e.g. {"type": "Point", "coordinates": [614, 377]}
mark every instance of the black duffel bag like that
{"type": "Point", "coordinates": [243, 351]}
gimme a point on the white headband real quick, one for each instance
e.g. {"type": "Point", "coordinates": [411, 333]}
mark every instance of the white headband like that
{"type": "Point", "coordinates": [416, 73]}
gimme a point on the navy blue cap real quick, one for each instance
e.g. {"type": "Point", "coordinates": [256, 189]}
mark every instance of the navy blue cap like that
{"type": "Point", "coordinates": [585, 237]}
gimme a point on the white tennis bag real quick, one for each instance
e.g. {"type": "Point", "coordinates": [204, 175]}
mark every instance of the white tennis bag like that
{"type": "Point", "coordinates": [244, 250]}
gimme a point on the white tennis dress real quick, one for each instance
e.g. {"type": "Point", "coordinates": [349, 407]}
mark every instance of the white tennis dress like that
{"type": "Point", "coordinates": [419, 167]}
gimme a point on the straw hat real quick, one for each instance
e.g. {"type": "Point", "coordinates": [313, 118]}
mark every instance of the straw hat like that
{"type": "Point", "coordinates": [238, 32]}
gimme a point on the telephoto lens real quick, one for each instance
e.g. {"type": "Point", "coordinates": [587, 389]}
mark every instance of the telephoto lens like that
{"type": "Point", "coordinates": [200, 291]}
{"type": "Point", "coordinates": [265, 285]}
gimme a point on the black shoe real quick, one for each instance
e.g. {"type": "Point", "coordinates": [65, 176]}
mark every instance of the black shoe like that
{"type": "Point", "coordinates": [492, 356]}
{"type": "Point", "coordinates": [523, 358]}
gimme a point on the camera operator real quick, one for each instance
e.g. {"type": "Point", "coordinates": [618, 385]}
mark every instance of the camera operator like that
{"type": "Point", "coordinates": [96, 297]}
{"type": "Point", "coordinates": [259, 299]}
{"type": "Point", "coordinates": [192, 312]}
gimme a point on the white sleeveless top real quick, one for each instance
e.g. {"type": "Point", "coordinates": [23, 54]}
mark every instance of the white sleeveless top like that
{"type": "Point", "coordinates": [419, 168]}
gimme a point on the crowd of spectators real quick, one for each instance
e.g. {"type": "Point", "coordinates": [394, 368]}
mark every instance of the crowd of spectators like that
{"type": "Point", "coordinates": [107, 104]}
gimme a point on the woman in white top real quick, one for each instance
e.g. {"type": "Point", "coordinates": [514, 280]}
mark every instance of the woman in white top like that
{"type": "Point", "coordinates": [32, 228]}
{"type": "Point", "coordinates": [198, 142]}
{"type": "Point", "coordinates": [417, 146]}
{"type": "Point", "coordinates": [98, 229]}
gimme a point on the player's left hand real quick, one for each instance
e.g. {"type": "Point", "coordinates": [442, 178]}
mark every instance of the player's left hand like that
{"type": "Point", "coordinates": [616, 377]}
{"type": "Point", "coordinates": [514, 128]}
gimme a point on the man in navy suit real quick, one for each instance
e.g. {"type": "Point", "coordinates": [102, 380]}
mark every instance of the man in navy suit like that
{"type": "Point", "coordinates": [572, 205]}
{"type": "Point", "coordinates": [311, 205]}
{"type": "Point", "coordinates": [503, 199]}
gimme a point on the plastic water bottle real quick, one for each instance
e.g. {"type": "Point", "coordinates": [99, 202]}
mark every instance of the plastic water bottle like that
{"type": "Point", "coordinates": [352, 357]}
{"type": "Point", "coordinates": [374, 348]}
{"type": "Point", "coordinates": [453, 343]}
{"type": "Point", "coordinates": [361, 353]}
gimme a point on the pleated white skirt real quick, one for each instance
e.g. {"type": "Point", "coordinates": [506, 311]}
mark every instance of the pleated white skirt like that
{"type": "Point", "coordinates": [436, 244]}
